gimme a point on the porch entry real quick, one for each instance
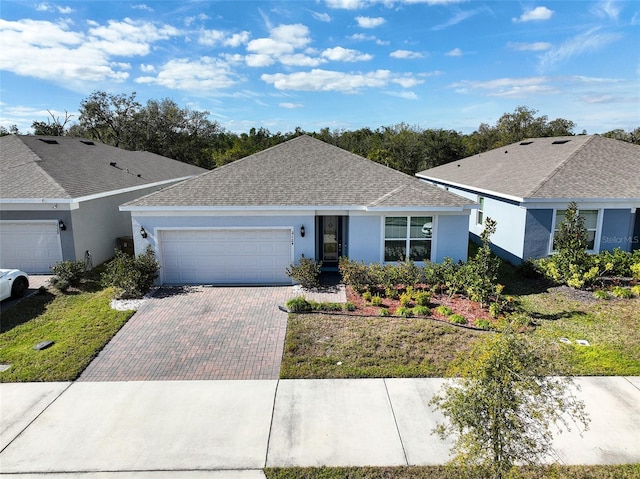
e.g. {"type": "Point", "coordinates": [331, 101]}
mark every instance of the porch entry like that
{"type": "Point", "coordinates": [330, 243]}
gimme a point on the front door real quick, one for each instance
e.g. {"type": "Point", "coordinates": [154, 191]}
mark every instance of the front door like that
{"type": "Point", "coordinates": [330, 241]}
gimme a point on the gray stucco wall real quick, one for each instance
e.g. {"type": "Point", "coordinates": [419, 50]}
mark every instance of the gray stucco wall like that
{"type": "Point", "coordinates": [537, 233]}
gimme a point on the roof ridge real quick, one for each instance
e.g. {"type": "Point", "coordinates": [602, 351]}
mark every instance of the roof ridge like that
{"type": "Point", "coordinates": [559, 167]}
{"type": "Point", "coordinates": [391, 193]}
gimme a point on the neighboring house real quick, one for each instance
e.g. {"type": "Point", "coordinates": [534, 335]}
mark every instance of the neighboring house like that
{"type": "Point", "coordinates": [59, 197]}
{"type": "Point", "coordinates": [246, 222]}
{"type": "Point", "coordinates": [526, 187]}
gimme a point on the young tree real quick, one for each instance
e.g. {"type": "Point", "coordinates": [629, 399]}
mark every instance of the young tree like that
{"type": "Point", "coordinates": [503, 405]}
{"type": "Point", "coordinates": [570, 241]}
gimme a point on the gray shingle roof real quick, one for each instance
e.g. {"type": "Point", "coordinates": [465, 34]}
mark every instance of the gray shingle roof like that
{"type": "Point", "coordinates": [560, 167]}
{"type": "Point", "coordinates": [66, 168]}
{"type": "Point", "coordinates": [302, 172]}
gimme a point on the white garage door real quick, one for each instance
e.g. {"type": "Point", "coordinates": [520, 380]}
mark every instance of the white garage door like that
{"type": "Point", "coordinates": [32, 246]}
{"type": "Point", "coordinates": [226, 256]}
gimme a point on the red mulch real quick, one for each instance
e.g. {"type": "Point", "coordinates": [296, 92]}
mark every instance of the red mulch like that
{"type": "Point", "coordinates": [471, 310]}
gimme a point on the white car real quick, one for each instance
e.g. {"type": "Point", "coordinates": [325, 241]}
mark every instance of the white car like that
{"type": "Point", "coordinates": [13, 283]}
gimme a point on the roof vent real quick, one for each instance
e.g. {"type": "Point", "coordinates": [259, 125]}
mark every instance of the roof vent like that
{"type": "Point", "coordinates": [113, 163]}
{"type": "Point", "coordinates": [48, 142]}
{"type": "Point", "coordinates": [560, 142]}
{"type": "Point", "coordinates": [87, 142]}
{"type": "Point", "coordinates": [526, 142]}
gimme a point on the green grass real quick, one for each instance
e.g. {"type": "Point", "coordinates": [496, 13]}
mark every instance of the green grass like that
{"type": "Point", "coordinates": [444, 472]}
{"type": "Point", "coordinates": [369, 347]}
{"type": "Point", "coordinates": [80, 324]}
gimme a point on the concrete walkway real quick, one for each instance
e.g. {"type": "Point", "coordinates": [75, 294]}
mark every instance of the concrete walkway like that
{"type": "Point", "coordinates": [214, 429]}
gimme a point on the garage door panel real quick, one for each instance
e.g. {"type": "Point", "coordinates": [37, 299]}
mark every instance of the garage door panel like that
{"type": "Point", "coordinates": [218, 256]}
{"type": "Point", "coordinates": [32, 246]}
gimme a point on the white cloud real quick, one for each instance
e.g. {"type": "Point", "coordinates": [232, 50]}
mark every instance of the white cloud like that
{"type": "Point", "coordinates": [459, 17]}
{"type": "Point", "coordinates": [405, 54]}
{"type": "Point", "coordinates": [370, 22]}
{"type": "Point", "coordinates": [322, 17]}
{"type": "Point", "coordinates": [508, 87]}
{"type": "Point", "coordinates": [456, 52]}
{"type": "Point", "coordinates": [259, 60]}
{"type": "Point", "coordinates": [52, 7]}
{"type": "Point", "coordinates": [300, 60]}
{"type": "Point", "coordinates": [537, 14]}
{"type": "Point", "coordinates": [608, 9]}
{"type": "Point", "coordinates": [586, 42]}
{"type": "Point", "coordinates": [147, 68]}
{"type": "Point", "coordinates": [346, 4]}
{"type": "Point", "coordinates": [531, 47]}
{"type": "Point", "coordinates": [142, 7]}
{"type": "Point", "coordinates": [339, 54]}
{"type": "Point", "coordinates": [219, 37]}
{"type": "Point", "coordinates": [360, 37]}
{"type": "Point", "coordinates": [188, 21]}
{"type": "Point", "coordinates": [290, 106]}
{"type": "Point", "coordinates": [407, 95]}
{"type": "Point", "coordinates": [281, 46]}
{"type": "Point", "coordinates": [205, 74]}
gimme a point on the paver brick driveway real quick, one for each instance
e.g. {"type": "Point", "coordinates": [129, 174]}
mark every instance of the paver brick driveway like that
{"type": "Point", "coordinates": [197, 332]}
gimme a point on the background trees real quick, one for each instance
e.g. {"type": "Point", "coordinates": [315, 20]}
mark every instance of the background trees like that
{"type": "Point", "coordinates": [165, 128]}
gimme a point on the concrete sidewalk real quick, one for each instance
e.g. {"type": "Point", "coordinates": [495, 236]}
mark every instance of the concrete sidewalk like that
{"type": "Point", "coordinates": [214, 429]}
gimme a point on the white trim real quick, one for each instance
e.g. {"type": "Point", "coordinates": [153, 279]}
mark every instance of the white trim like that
{"type": "Point", "coordinates": [471, 188]}
{"type": "Point", "coordinates": [434, 220]}
{"type": "Point", "coordinates": [598, 232]}
{"type": "Point", "coordinates": [341, 210]}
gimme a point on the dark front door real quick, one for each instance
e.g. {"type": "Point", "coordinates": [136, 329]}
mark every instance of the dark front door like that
{"type": "Point", "coordinates": [330, 241]}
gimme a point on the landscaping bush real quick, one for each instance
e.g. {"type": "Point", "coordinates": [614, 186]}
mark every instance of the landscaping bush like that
{"type": "Point", "coordinates": [636, 289]}
{"type": "Point", "coordinates": [601, 294]}
{"type": "Point", "coordinates": [405, 300]}
{"type": "Point", "coordinates": [384, 312]}
{"type": "Point", "coordinates": [61, 285]}
{"type": "Point", "coordinates": [306, 272]}
{"type": "Point", "coordinates": [132, 277]}
{"type": "Point", "coordinates": [483, 324]}
{"type": "Point", "coordinates": [421, 310]}
{"type": "Point", "coordinates": [367, 296]}
{"type": "Point", "coordinates": [299, 305]}
{"type": "Point", "coordinates": [457, 319]}
{"type": "Point", "coordinates": [354, 274]}
{"type": "Point", "coordinates": [404, 312]}
{"type": "Point", "coordinates": [423, 298]}
{"type": "Point", "coordinates": [69, 271]}
{"type": "Point", "coordinates": [376, 300]}
{"type": "Point", "coordinates": [623, 293]}
{"type": "Point", "coordinates": [444, 310]}
{"type": "Point", "coordinates": [349, 306]}
{"type": "Point", "coordinates": [494, 310]}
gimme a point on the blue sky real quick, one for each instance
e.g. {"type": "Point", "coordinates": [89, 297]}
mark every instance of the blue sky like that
{"type": "Point", "coordinates": [341, 64]}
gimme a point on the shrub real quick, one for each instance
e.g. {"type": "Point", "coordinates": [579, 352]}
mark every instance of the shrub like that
{"type": "Point", "coordinates": [422, 310]}
{"type": "Point", "coordinates": [391, 293]}
{"type": "Point", "coordinates": [635, 270]}
{"type": "Point", "coordinates": [349, 306]}
{"type": "Point", "coordinates": [299, 305]}
{"type": "Point", "coordinates": [404, 312]}
{"type": "Point", "coordinates": [384, 312]}
{"type": "Point", "coordinates": [457, 319]}
{"type": "Point", "coordinates": [444, 310]}
{"type": "Point", "coordinates": [483, 324]}
{"type": "Point", "coordinates": [405, 300]}
{"type": "Point", "coordinates": [326, 306]}
{"type": "Point", "coordinates": [423, 298]}
{"type": "Point", "coordinates": [494, 310]}
{"type": "Point", "coordinates": [306, 272]}
{"type": "Point", "coordinates": [376, 300]}
{"type": "Point", "coordinates": [69, 271]}
{"type": "Point", "coordinates": [636, 289]}
{"type": "Point", "coordinates": [353, 274]}
{"type": "Point", "coordinates": [601, 294]}
{"type": "Point", "coordinates": [61, 285]}
{"type": "Point", "coordinates": [623, 293]}
{"type": "Point", "coordinates": [131, 276]}
{"type": "Point", "coordinates": [367, 296]}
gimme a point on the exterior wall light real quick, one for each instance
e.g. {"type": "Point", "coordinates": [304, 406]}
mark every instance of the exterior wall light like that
{"type": "Point", "coordinates": [143, 232]}
{"type": "Point", "coordinates": [302, 231]}
{"type": "Point", "coordinates": [61, 225]}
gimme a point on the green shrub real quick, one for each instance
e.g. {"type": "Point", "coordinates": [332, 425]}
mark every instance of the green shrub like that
{"type": "Point", "coordinates": [132, 277]}
{"type": "Point", "coordinates": [635, 270]}
{"type": "Point", "coordinates": [423, 298]}
{"type": "Point", "coordinates": [623, 293]}
{"type": "Point", "coordinates": [405, 300]}
{"type": "Point", "coordinates": [376, 300]}
{"type": "Point", "coordinates": [61, 285]}
{"type": "Point", "coordinates": [404, 312]}
{"type": "Point", "coordinates": [391, 293]}
{"type": "Point", "coordinates": [483, 324]}
{"type": "Point", "coordinates": [457, 319]}
{"type": "Point", "coordinates": [444, 310]}
{"type": "Point", "coordinates": [349, 306]}
{"type": "Point", "coordinates": [69, 271]}
{"type": "Point", "coordinates": [306, 272]}
{"type": "Point", "coordinates": [421, 310]}
{"type": "Point", "coordinates": [601, 294]}
{"type": "Point", "coordinates": [384, 312]}
{"type": "Point", "coordinates": [354, 274]}
{"type": "Point", "coordinates": [367, 296]}
{"type": "Point", "coordinates": [326, 306]}
{"type": "Point", "coordinates": [636, 289]}
{"type": "Point", "coordinates": [299, 305]}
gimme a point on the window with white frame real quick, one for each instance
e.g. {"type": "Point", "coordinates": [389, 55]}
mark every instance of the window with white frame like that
{"type": "Point", "coordinates": [590, 223]}
{"type": "Point", "coordinates": [480, 213]}
{"type": "Point", "coordinates": [408, 237]}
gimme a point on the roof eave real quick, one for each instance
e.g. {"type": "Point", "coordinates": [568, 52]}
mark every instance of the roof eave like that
{"type": "Point", "coordinates": [485, 191]}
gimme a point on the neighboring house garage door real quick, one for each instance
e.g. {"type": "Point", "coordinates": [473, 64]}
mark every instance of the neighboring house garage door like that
{"type": "Point", "coordinates": [32, 246]}
{"type": "Point", "coordinates": [226, 256]}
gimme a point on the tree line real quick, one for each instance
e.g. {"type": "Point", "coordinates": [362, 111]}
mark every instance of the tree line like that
{"type": "Point", "coordinates": [165, 128]}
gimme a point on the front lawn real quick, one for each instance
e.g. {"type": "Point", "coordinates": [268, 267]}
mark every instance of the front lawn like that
{"type": "Point", "coordinates": [80, 324]}
{"type": "Point", "coordinates": [342, 346]}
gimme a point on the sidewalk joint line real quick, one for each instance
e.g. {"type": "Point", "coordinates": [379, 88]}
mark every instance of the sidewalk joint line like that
{"type": "Point", "coordinates": [395, 420]}
{"type": "Point", "coordinates": [273, 413]}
